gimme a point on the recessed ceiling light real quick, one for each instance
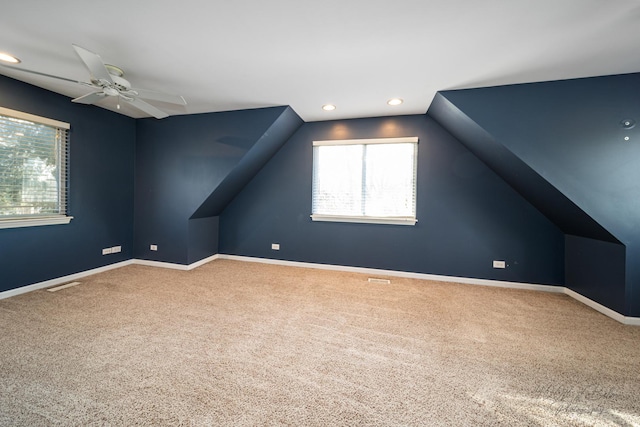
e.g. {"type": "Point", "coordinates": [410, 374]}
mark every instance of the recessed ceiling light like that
{"type": "Point", "coordinates": [395, 101]}
{"type": "Point", "coordinates": [628, 123]}
{"type": "Point", "coordinates": [328, 107]}
{"type": "Point", "coordinates": [9, 58]}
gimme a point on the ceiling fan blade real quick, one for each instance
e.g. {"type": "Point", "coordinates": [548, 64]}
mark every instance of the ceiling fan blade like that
{"type": "Point", "coordinates": [89, 98]}
{"type": "Point", "coordinates": [94, 64]}
{"type": "Point", "coordinates": [44, 74]}
{"type": "Point", "coordinates": [160, 96]}
{"type": "Point", "coordinates": [147, 108]}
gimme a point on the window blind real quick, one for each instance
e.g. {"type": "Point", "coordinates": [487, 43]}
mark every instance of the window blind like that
{"type": "Point", "coordinates": [34, 156]}
{"type": "Point", "coordinates": [371, 180]}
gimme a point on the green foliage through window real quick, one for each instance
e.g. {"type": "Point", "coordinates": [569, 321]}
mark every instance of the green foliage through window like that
{"type": "Point", "coordinates": [33, 166]}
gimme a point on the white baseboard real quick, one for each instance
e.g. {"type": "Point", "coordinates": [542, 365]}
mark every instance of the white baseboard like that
{"type": "Point", "coordinates": [632, 321]}
{"type": "Point", "coordinates": [61, 280]}
{"type": "Point", "coordinates": [76, 276]}
{"type": "Point", "coordinates": [635, 321]}
{"type": "Point", "coordinates": [175, 266]}
{"type": "Point", "coordinates": [405, 274]}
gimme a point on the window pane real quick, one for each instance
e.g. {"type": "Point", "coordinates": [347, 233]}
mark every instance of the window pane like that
{"type": "Point", "coordinates": [337, 180]}
{"type": "Point", "coordinates": [389, 172]}
{"type": "Point", "coordinates": [32, 168]}
{"type": "Point", "coordinates": [372, 181]}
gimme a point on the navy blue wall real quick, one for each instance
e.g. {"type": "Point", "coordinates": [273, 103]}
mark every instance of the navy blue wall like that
{"type": "Point", "coordinates": [569, 132]}
{"type": "Point", "coordinates": [534, 187]}
{"type": "Point", "coordinates": [596, 269]}
{"type": "Point", "coordinates": [203, 238]}
{"type": "Point", "coordinates": [180, 161]}
{"type": "Point", "coordinates": [100, 199]}
{"type": "Point", "coordinates": [255, 158]}
{"type": "Point", "coordinates": [467, 215]}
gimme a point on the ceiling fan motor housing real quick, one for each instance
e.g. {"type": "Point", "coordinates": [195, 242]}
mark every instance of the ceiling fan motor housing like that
{"type": "Point", "coordinates": [120, 83]}
{"type": "Point", "coordinates": [115, 87]}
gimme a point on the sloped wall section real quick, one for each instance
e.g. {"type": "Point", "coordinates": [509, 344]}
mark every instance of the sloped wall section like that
{"type": "Point", "coordinates": [567, 137]}
{"type": "Point", "coordinates": [255, 158]}
{"type": "Point", "coordinates": [189, 167]}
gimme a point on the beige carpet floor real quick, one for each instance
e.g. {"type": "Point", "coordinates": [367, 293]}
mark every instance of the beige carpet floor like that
{"type": "Point", "coordinates": [246, 344]}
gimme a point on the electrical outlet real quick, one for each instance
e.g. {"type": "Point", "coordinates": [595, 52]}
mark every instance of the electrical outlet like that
{"type": "Point", "coordinates": [106, 251]}
{"type": "Point", "coordinates": [153, 247]}
{"type": "Point", "coordinates": [499, 264]}
{"type": "Point", "coordinates": [275, 246]}
{"type": "Point", "coordinates": [116, 249]}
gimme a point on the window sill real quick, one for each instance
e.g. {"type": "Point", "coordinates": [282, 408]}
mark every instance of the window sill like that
{"type": "Point", "coordinates": [366, 219]}
{"type": "Point", "coordinates": [34, 222]}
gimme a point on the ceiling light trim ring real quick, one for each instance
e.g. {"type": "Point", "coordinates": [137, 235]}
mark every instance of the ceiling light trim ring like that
{"type": "Point", "coordinates": [7, 57]}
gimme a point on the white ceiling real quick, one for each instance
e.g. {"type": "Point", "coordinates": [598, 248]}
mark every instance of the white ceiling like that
{"type": "Point", "coordinates": [357, 54]}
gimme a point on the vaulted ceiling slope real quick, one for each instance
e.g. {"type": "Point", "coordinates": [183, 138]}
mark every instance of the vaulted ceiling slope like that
{"type": "Point", "coordinates": [570, 147]}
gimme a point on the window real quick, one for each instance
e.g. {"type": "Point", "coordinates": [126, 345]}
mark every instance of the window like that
{"type": "Point", "coordinates": [33, 170]}
{"type": "Point", "coordinates": [365, 180]}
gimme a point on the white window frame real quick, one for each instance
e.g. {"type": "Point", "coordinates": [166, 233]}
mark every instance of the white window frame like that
{"type": "Point", "coordinates": [393, 220]}
{"type": "Point", "coordinates": [44, 219]}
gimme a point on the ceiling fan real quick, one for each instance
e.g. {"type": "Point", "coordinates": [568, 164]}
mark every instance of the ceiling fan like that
{"type": "Point", "coordinates": [108, 81]}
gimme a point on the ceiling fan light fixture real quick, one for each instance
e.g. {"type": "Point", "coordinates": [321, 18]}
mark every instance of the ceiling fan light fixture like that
{"type": "Point", "coordinates": [106, 80]}
{"type": "Point", "coordinates": [9, 58]}
{"type": "Point", "coordinates": [114, 71]}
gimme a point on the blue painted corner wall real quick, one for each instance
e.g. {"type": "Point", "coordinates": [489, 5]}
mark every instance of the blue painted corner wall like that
{"type": "Point", "coordinates": [101, 171]}
{"type": "Point", "coordinates": [189, 167]}
{"type": "Point", "coordinates": [467, 215]}
{"type": "Point", "coordinates": [555, 205]}
{"type": "Point", "coordinates": [570, 137]}
{"type": "Point", "coordinates": [255, 158]}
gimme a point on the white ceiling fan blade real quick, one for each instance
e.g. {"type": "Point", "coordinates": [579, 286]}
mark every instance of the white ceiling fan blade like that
{"type": "Point", "coordinates": [160, 96]}
{"type": "Point", "coordinates": [147, 108]}
{"type": "Point", "coordinates": [94, 64]}
{"type": "Point", "coordinates": [44, 74]}
{"type": "Point", "coordinates": [89, 98]}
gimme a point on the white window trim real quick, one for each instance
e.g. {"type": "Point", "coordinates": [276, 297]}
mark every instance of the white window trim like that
{"type": "Point", "coordinates": [34, 221]}
{"type": "Point", "coordinates": [404, 140]}
{"type": "Point", "coordinates": [33, 118]}
{"type": "Point", "coordinates": [367, 219]}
